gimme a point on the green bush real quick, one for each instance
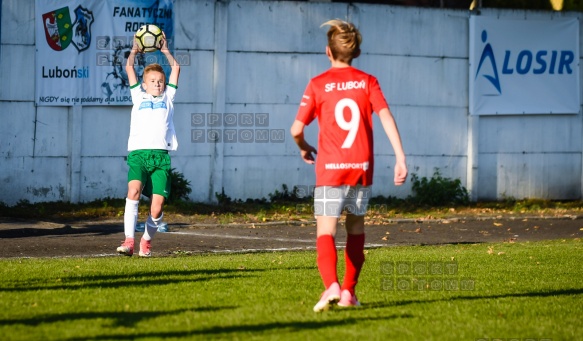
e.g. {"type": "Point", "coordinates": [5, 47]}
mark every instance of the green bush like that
{"type": "Point", "coordinates": [222, 198]}
{"type": "Point", "coordinates": [180, 186]}
{"type": "Point", "coordinates": [285, 195]}
{"type": "Point", "coordinates": [438, 191]}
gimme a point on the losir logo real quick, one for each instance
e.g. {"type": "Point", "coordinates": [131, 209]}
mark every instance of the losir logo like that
{"type": "Point", "coordinates": [522, 62]}
{"type": "Point", "coordinates": [60, 32]}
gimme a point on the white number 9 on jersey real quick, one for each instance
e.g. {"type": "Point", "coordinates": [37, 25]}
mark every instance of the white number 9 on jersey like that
{"type": "Point", "coordinates": [352, 125]}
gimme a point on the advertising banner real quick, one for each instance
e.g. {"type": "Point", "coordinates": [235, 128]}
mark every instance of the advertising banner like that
{"type": "Point", "coordinates": [82, 48]}
{"type": "Point", "coordinates": [524, 66]}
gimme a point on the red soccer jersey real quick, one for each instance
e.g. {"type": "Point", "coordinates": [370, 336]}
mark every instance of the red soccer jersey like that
{"type": "Point", "coordinates": [343, 99]}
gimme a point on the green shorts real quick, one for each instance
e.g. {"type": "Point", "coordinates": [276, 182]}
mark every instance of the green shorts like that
{"type": "Point", "coordinates": [152, 168]}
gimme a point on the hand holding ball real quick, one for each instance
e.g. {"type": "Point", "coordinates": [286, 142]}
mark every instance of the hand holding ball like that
{"type": "Point", "coordinates": [149, 38]}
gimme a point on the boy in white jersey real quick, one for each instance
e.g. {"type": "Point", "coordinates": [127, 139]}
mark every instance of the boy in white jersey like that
{"type": "Point", "coordinates": [152, 135]}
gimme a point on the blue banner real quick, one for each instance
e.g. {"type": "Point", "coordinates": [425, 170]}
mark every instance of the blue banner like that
{"type": "Point", "coordinates": [524, 66]}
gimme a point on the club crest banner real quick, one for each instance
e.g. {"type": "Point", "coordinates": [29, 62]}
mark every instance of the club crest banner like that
{"type": "Point", "coordinates": [82, 48]}
{"type": "Point", "coordinates": [524, 66]}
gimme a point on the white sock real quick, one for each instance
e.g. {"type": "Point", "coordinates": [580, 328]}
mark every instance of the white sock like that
{"type": "Point", "coordinates": [130, 217]}
{"type": "Point", "coordinates": [152, 226]}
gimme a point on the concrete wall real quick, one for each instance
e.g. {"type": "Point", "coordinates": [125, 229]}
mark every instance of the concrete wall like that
{"type": "Point", "coordinates": [256, 57]}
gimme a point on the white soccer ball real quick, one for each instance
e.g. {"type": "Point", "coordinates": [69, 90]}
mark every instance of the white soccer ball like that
{"type": "Point", "coordinates": [149, 38]}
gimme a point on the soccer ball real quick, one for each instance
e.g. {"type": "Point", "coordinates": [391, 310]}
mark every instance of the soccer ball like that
{"type": "Point", "coordinates": [149, 38]}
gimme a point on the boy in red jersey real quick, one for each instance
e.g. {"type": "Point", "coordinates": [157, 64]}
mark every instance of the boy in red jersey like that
{"type": "Point", "coordinates": [343, 99]}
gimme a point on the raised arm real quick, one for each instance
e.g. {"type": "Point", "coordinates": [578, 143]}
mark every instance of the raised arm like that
{"type": "Point", "coordinates": [390, 127]}
{"type": "Point", "coordinates": [132, 78]}
{"type": "Point", "coordinates": [175, 73]}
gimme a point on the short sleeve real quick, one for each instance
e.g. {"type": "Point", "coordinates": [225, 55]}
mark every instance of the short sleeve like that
{"type": "Point", "coordinates": [171, 92]}
{"type": "Point", "coordinates": [377, 99]}
{"type": "Point", "coordinates": [307, 111]}
{"type": "Point", "coordinates": [136, 93]}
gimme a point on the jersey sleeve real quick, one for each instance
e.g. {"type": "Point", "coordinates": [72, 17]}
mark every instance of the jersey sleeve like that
{"type": "Point", "coordinates": [307, 111]}
{"type": "Point", "coordinates": [171, 91]}
{"type": "Point", "coordinates": [136, 93]}
{"type": "Point", "coordinates": [377, 99]}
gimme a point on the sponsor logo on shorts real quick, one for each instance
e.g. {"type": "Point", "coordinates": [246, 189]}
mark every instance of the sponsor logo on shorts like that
{"type": "Point", "coordinates": [347, 165]}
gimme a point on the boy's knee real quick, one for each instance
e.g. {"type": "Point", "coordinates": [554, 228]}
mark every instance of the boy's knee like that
{"type": "Point", "coordinates": [133, 194]}
{"type": "Point", "coordinates": [156, 211]}
{"type": "Point", "coordinates": [354, 224]}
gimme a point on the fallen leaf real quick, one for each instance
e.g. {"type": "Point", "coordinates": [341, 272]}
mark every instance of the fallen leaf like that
{"type": "Point", "coordinates": [384, 238]}
{"type": "Point", "coordinates": [418, 230]}
{"type": "Point", "coordinates": [497, 224]}
{"type": "Point", "coordinates": [490, 250]}
{"type": "Point", "coordinates": [501, 253]}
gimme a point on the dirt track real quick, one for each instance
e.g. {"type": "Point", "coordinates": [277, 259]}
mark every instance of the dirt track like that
{"type": "Point", "coordinates": [101, 238]}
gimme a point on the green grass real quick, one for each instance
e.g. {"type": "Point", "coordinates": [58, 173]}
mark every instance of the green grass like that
{"type": "Point", "coordinates": [519, 290]}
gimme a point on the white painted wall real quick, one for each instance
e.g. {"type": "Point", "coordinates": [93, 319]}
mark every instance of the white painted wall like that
{"type": "Point", "coordinates": [251, 57]}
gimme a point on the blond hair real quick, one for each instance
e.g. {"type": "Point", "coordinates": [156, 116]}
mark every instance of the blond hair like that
{"type": "Point", "coordinates": [344, 40]}
{"type": "Point", "coordinates": [154, 67]}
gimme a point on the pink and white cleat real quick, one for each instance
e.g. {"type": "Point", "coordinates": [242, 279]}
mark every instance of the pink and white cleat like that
{"type": "Point", "coordinates": [348, 300]}
{"type": "Point", "coordinates": [329, 298]}
{"type": "Point", "coordinates": [127, 247]}
{"type": "Point", "coordinates": [145, 248]}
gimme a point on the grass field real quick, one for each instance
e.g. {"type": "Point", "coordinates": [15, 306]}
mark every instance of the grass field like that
{"type": "Point", "coordinates": [450, 292]}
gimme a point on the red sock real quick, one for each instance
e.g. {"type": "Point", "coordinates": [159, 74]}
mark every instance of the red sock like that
{"type": "Point", "coordinates": [354, 257]}
{"type": "Point", "coordinates": [327, 259]}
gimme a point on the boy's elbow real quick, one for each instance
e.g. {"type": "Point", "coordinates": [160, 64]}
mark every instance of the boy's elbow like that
{"type": "Point", "coordinates": [176, 70]}
{"type": "Point", "coordinates": [296, 130]}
